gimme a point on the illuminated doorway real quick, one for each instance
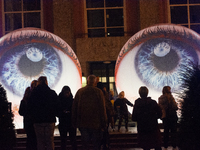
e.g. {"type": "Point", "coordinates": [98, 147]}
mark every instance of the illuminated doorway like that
{"type": "Point", "coordinates": [106, 72]}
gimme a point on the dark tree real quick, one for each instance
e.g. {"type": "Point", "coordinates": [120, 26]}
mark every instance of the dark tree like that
{"type": "Point", "coordinates": [189, 130]}
{"type": "Point", "coordinates": [7, 128]}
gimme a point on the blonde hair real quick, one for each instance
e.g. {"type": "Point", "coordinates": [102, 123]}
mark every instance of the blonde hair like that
{"type": "Point", "coordinates": [121, 94]}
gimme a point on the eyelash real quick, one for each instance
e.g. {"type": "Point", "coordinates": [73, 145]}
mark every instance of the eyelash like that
{"type": "Point", "coordinates": [13, 39]}
{"type": "Point", "coordinates": [17, 43]}
{"type": "Point", "coordinates": [155, 31]}
{"type": "Point", "coordinates": [126, 75]}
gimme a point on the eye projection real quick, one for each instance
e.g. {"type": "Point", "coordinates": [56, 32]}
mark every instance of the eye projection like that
{"type": "Point", "coordinates": [156, 57]}
{"type": "Point", "coordinates": [28, 53]}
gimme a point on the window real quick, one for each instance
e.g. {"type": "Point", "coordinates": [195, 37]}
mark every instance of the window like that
{"type": "Point", "coordinates": [105, 18]}
{"type": "Point", "coordinates": [185, 13]}
{"type": "Point", "coordinates": [105, 71]}
{"type": "Point", "coordinates": [21, 13]}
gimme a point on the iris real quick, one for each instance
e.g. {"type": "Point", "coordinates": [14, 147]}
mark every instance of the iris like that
{"type": "Point", "coordinates": [154, 57]}
{"type": "Point", "coordinates": [160, 61]}
{"type": "Point", "coordinates": [17, 70]}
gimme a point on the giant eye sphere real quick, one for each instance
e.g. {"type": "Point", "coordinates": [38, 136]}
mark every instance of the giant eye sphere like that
{"type": "Point", "coordinates": [28, 53]}
{"type": "Point", "coordinates": [156, 57]}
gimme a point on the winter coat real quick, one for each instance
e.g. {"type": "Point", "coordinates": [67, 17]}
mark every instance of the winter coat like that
{"type": "Point", "coordinates": [27, 120]}
{"type": "Point", "coordinates": [65, 111]}
{"type": "Point", "coordinates": [89, 109]}
{"type": "Point", "coordinates": [43, 104]}
{"type": "Point", "coordinates": [109, 107]}
{"type": "Point", "coordinates": [123, 107]}
{"type": "Point", "coordinates": [168, 106]}
{"type": "Point", "coordinates": [146, 112]}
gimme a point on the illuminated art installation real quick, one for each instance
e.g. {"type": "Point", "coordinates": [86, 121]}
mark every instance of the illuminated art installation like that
{"type": "Point", "coordinates": [28, 53]}
{"type": "Point", "coordinates": [155, 57]}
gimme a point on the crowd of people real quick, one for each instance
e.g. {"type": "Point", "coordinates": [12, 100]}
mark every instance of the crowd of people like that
{"type": "Point", "coordinates": [92, 110]}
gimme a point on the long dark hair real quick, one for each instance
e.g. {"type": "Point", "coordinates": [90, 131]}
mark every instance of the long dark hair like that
{"type": "Point", "coordinates": [64, 90]}
{"type": "Point", "coordinates": [167, 92]}
{"type": "Point", "coordinates": [33, 84]}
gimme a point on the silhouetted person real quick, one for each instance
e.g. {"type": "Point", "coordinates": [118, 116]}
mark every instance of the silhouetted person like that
{"type": "Point", "coordinates": [120, 106]}
{"type": "Point", "coordinates": [169, 107]}
{"type": "Point", "coordinates": [110, 119]}
{"type": "Point", "coordinates": [146, 113]}
{"type": "Point", "coordinates": [65, 118]}
{"type": "Point", "coordinates": [31, 143]}
{"type": "Point", "coordinates": [111, 97]}
{"type": "Point", "coordinates": [99, 84]}
{"type": "Point", "coordinates": [89, 114]}
{"type": "Point", "coordinates": [43, 107]}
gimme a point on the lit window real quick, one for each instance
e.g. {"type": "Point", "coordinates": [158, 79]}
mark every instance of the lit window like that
{"type": "Point", "coordinates": [103, 79]}
{"type": "Point", "coordinates": [105, 18]}
{"type": "Point", "coordinates": [21, 13]}
{"type": "Point", "coordinates": [106, 72]}
{"type": "Point", "coordinates": [112, 79]}
{"type": "Point", "coordinates": [185, 13]}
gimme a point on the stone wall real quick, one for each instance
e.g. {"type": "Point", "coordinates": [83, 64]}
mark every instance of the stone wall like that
{"type": "Point", "coordinates": [150, 12]}
{"type": "Point", "coordinates": [98, 49]}
{"type": "Point", "coordinates": [63, 21]}
{"type": "Point", "coordinates": [104, 48]}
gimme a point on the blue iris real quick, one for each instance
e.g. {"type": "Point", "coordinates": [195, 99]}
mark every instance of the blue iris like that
{"type": "Point", "coordinates": [17, 70]}
{"type": "Point", "coordinates": [163, 68]}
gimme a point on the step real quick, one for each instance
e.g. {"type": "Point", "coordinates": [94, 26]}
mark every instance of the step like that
{"type": "Point", "coordinates": [116, 141]}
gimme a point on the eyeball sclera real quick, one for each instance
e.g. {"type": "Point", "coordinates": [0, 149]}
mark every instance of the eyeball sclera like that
{"type": "Point", "coordinates": [26, 54]}
{"type": "Point", "coordinates": [155, 57]}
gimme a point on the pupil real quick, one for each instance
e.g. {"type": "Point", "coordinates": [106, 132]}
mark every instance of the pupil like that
{"type": "Point", "coordinates": [30, 68]}
{"type": "Point", "coordinates": [166, 63]}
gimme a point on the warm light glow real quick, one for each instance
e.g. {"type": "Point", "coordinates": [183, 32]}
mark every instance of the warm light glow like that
{"type": "Point", "coordinates": [84, 81]}
{"type": "Point", "coordinates": [28, 53]}
{"type": "Point", "coordinates": [155, 57]}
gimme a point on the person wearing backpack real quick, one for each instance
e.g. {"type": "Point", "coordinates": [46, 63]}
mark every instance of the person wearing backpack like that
{"type": "Point", "coordinates": [169, 116]}
{"type": "Point", "coordinates": [146, 113]}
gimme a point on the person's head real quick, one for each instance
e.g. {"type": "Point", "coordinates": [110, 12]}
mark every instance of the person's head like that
{"type": "Point", "coordinates": [66, 91]}
{"type": "Point", "coordinates": [104, 88]}
{"type": "Point", "coordinates": [112, 92]}
{"type": "Point", "coordinates": [97, 79]}
{"type": "Point", "coordinates": [33, 84]}
{"type": "Point", "coordinates": [42, 80]}
{"type": "Point", "coordinates": [166, 90]}
{"type": "Point", "coordinates": [91, 80]}
{"type": "Point", "coordinates": [121, 94]}
{"type": "Point", "coordinates": [143, 91]}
